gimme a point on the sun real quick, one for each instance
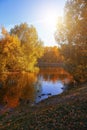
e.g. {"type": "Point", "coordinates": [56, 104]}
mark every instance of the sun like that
{"type": "Point", "coordinates": [50, 19]}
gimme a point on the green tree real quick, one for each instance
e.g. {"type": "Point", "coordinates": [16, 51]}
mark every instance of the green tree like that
{"type": "Point", "coordinates": [71, 34]}
{"type": "Point", "coordinates": [31, 46]}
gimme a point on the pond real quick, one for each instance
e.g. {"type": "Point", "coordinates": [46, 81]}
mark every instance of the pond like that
{"type": "Point", "coordinates": [31, 88]}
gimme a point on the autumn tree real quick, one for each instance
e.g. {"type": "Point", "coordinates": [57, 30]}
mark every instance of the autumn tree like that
{"type": "Point", "coordinates": [31, 45]}
{"type": "Point", "coordinates": [11, 56]}
{"type": "Point", "coordinates": [51, 55]}
{"type": "Point", "coordinates": [71, 34]}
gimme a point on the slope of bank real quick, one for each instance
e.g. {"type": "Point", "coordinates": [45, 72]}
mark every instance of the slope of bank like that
{"type": "Point", "coordinates": [65, 111]}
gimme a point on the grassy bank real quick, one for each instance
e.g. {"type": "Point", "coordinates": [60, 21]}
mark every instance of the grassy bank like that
{"type": "Point", "coordinates": [67, 111]}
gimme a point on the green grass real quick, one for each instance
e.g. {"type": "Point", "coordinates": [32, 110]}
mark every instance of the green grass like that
{"type": "Point", "coordinates": [67, 111]}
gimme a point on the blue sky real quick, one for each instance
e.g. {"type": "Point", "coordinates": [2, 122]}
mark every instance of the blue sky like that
{"type": "Point", "coordinates": [39, 13]}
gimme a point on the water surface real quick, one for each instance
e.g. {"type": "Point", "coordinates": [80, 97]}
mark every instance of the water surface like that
{"type": "Point", "coordinates": [30, 88]}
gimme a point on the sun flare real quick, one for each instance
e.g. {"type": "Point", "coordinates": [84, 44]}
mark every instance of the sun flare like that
{"type": "Point", "coordinates": [50, 19]}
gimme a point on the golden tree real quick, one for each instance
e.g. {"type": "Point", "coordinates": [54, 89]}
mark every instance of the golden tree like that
{"type": "Point", "coordinates": [72, 36]}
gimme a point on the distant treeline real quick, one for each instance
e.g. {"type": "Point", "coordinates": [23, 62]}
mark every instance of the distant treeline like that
{"type": "Point", "coordinates": [51, 57]}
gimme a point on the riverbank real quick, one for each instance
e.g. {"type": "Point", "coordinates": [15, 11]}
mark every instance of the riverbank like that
{"type": "Point", "coordinates": [65, 111]}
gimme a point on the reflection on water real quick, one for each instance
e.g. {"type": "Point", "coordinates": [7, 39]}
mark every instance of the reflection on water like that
{"type": "Point", "coordinates": [49, 88]}
{"type": "Point", "coordinates": [51, 81]}
{"type": "Point", "coordinates": [28, 88]}
{"type": "Point", "coordinates": [15, 88]}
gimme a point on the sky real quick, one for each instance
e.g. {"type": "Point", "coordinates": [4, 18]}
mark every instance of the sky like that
{"type": "Point", "coordinates": [42, 14]}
